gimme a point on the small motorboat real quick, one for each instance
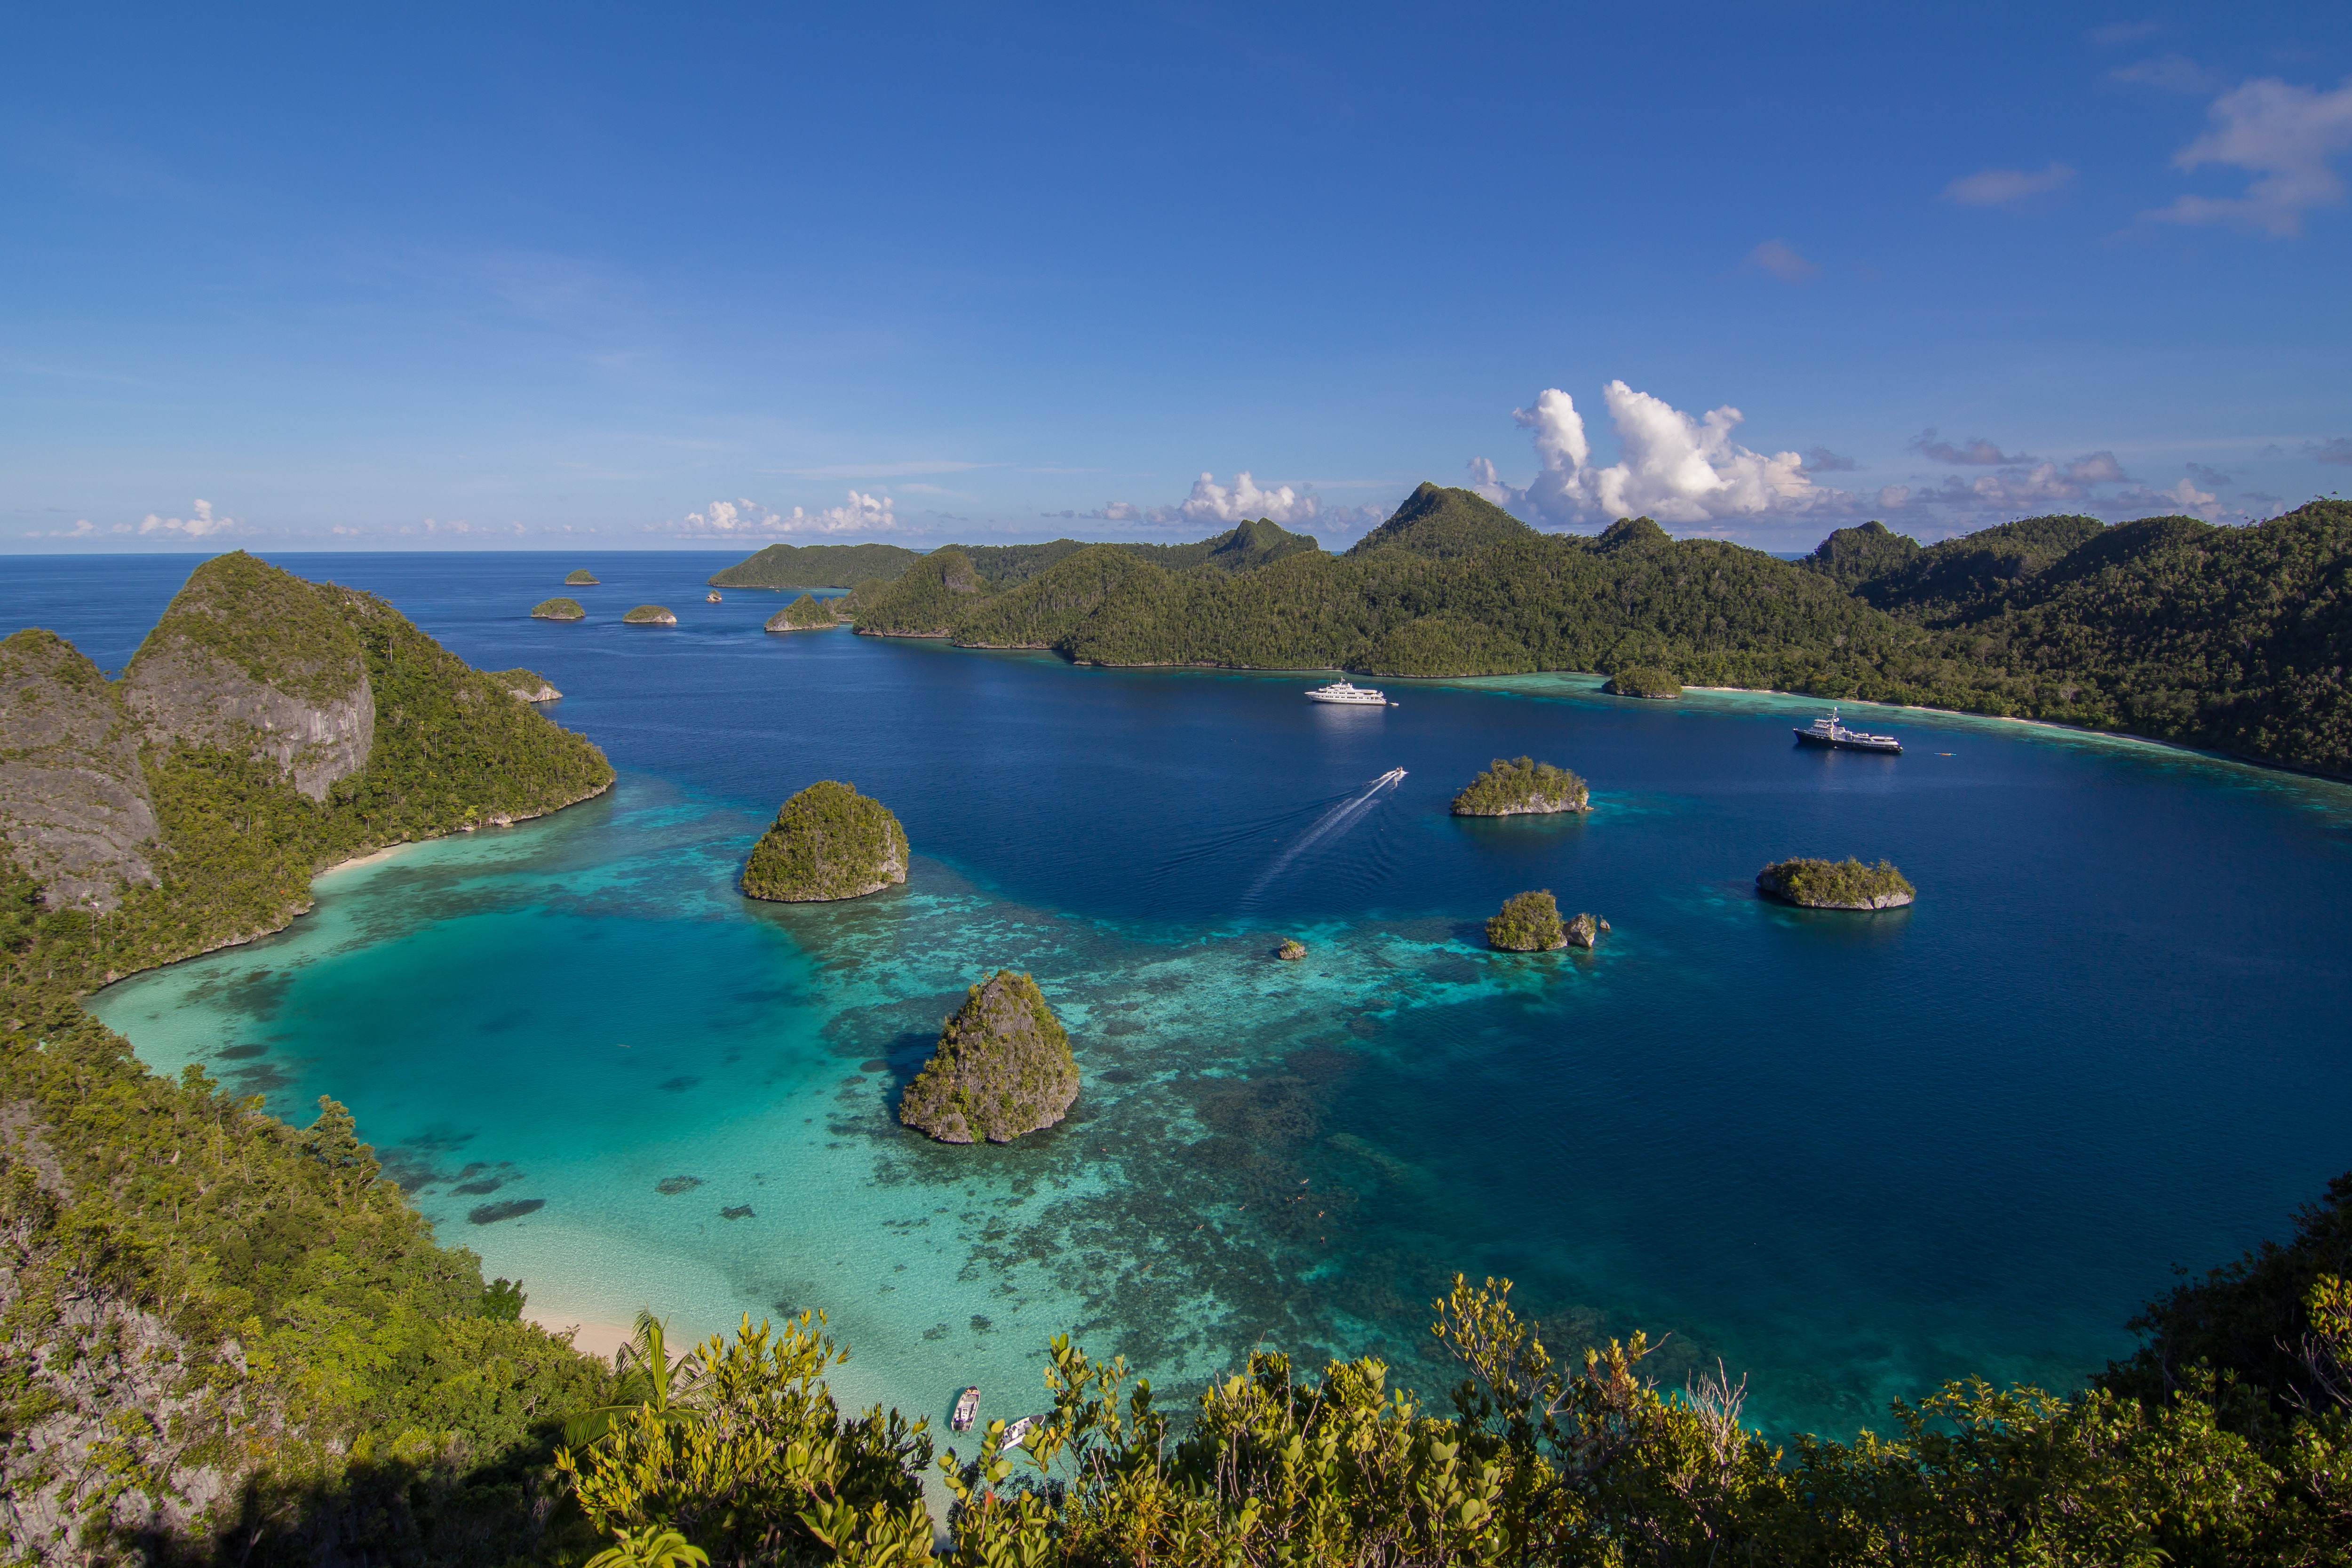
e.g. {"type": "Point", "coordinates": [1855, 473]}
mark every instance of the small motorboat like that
{"type": "Point", "coordinates": [967, 1405]}
{"type": "Point", "coordinates": [1017, 1431]}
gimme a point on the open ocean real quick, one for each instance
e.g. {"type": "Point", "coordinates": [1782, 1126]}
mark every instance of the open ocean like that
{"type": "Point", "coordinates": [1850, 1155]}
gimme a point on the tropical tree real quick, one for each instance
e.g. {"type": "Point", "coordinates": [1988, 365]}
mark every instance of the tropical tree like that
{"type": "Point", "coordinates": [650, 1382]}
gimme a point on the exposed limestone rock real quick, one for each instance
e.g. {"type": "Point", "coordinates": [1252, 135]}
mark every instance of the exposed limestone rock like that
{"type": "Point", "coordinates": [1292, 949]}
{"type": "Point", "coordinates": [1581, 932]}
{"type": "Point", "coordinates": [528, 685]}
{"type": "Point", "coordinates": [1003, 1067]}
{"type": "Point", "coordinates": [251, 658]}
{"type": "Point", "coordinates": [73, 803]}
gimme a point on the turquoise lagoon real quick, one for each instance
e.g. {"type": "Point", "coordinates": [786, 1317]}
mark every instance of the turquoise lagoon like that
{"type": "Point", "coordinates": [1849, 1156]}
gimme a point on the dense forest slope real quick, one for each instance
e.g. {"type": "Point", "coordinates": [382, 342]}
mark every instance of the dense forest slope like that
{"type": "Point", "coordinates": [816, 567]}
{"type": "Point", "coordinates": [220, 1328]}
{"type": "Point", "coordinates": [2232, 638]}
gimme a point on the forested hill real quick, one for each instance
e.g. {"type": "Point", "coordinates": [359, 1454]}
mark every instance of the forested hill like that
{"type": "Point", "coordinates": [814, 566]}
{"type": "Point", "coordinates": [2234, 639]}
{"type": "Point", "coordinates": [223, 1332]}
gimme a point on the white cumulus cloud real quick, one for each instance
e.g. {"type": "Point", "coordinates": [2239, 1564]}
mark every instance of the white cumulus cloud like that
{"type": "Point", "coordinates": [2283, 134]}
{"type": "Point", "coordinates": [198, 525]}
{"type": "Point", "coordinates": [1670, 466]}
{"type": "Point", "coordinates": [1244, 501]}
{"type": "Point", "coordinates": [2001, 187]}
{"type": "Point", "coordinates": [744, 518]}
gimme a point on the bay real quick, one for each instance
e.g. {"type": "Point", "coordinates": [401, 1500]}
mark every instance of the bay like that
{"type": "Point", "coordinates": [1849, 1156]}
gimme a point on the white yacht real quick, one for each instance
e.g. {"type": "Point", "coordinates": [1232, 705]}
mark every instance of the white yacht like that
{"type": "Point", "coordinates": [1354, 696]}
{"type": "Point", "coordinates": [1827, 731]}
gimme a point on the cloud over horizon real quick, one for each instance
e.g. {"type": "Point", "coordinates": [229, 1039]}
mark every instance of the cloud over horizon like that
{"type": "Point", "coordinates": [746, 519]}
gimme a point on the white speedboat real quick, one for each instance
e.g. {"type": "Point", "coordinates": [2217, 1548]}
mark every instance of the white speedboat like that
{"type": "Point", "coordinates": [1352, 695]}
{"type": "Point", "coordinates": [1827, 731]}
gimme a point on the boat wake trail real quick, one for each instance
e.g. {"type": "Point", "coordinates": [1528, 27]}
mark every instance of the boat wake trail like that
{"type": "Point", "coordinates": [1336, 820]}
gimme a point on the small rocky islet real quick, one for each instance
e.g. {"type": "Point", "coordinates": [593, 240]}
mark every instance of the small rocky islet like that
{"type": "Point", "coordinates": [581, 578]}
{"type": "Point", "coordinates": [828, 842]}
{"type": "Point", "coordinates": [558, 610]}
{"type": "Point", "coordinates": [1003, 1067]}
{"type": "Point", "coordinates": [1845, 884]}
{"type": "Point", "coordinates": [1531, 922]}
{"type": "Point", "coordinates": [1642, 681]}
{"type": "Point", "coordinates": [1523, 788]}
{"type": "Point", "coordinates": [650, 615]}
{"type": "Point", "coordinates": [806, 614]}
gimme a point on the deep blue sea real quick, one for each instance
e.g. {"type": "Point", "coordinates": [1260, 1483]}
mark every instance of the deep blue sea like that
{"type": "Point", "coordinates": [1850, 1155]}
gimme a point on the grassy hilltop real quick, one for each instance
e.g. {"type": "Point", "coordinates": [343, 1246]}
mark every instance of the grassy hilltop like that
{"type": "Point", "coordinates": [2234, 639]}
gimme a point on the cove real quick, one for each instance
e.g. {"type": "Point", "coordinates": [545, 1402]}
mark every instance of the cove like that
{"type": "Point", "coordinates": [1849, 1156]}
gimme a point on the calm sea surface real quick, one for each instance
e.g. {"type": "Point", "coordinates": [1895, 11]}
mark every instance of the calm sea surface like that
{"type": "Point", "coordinates": [1850, 1155]}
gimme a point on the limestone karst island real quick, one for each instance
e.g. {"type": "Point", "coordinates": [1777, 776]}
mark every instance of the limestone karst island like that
{"type": "Point", "coordinates": [1003, 1067]}
{"type": "Point", "coordinates": [828, 842]}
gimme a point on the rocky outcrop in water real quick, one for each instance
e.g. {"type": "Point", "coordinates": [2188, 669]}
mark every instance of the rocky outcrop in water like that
{"type": "Point", "coordinates": [1584, 930]}
{"type": "Point", "coordinates": [1522, 788]}
{"type": "Point", "coordinates": [528, 685]}
{"type": "Point", "coordinates": [1837, 884]}
{"type": "Point", "coordinates": [251, 660]}
{"type": "Point", "coordinates": [581, 578]}
{"type": "Point", "coordinates": [73, 803]}
{"type": "Point", "coordinates": [1292, 949]}
{"type": "Point", "coordinates": [827, 842]}
{"type": "Point", "coordinates": [1527, 923]}
{"type": "Point", "coordinates": [650, 615]}
{"type": "Point", "coordinates": [558, 610]}
{"type": "Point", "coordinates": [1003, 1067]}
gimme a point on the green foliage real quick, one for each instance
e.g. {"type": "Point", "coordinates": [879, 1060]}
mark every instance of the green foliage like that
{"type": "Point", "coordinates": [1962, 578]}
{"type": "Point", "coordinates": [1002, 1066]}
{"type": "Point", "coordinates": [502, 1301]}
{"type": "Point", "coordinates": [804, 613]}
{"type": "Point", "coordinates": [580, 577]}
{"type": "Point", "coordinates": [1052, 605]}
{"type": "Point", "coordinates": [1851, 556]}
{"type": "Point", "coordinates": [558, 610]}
{"type": "Point", "coordinates": [1835, 884]}
{"type": "Point", "coordinates": [649, 615]}
{"type": "Point", "coordinates": [1438, 523]}
{"type": "Point", "coordinates": [827, 842]}
{"type": "Point", "coordinates": [1507, 789]}
{"type": "Point", "coordinates": [927, 600]}
{"type": "Point", "coordinates": [767, 1471]}
{"type": "Point", "coordinates": [1527, 923]}
{"type": "Point", "coordinates": [1642, 681]}
{"type": "Point", "coordinates": [816, 566]}
{"type": "Point", "coordinates": [646, 1382]}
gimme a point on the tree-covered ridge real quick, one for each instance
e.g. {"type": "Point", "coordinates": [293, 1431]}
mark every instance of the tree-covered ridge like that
{"type": "Point", "coordinates": [1851, 556]}
{"type": "Point", "coordinates": [930, 599]}
{"type": "Point", "coordinates": [1509, 788]}
{"type": "Point", "coordinates": [1047, 608]}
{"type": "Point", "coordinates": [816, 567]}
{"type": "Point", "coordinates": [827, 842]}
{"type": "Point", "coordinates": [268, 623]}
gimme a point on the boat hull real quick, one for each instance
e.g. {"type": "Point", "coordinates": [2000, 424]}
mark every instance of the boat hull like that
{"type": "Point", "coordinates": [1888, 748]}
{"type": "Point", "coordinates": [1350, 702]}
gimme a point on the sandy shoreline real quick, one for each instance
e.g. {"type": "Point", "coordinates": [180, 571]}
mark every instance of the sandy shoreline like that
{"type": "Point", "coordinates": [591, 1337]}
{"type": "Point", "coordinates": [386, 853]}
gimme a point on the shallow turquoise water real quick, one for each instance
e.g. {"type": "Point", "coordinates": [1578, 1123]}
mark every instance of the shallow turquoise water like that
{"type": "Point", "coordinates": [1850, 1155]}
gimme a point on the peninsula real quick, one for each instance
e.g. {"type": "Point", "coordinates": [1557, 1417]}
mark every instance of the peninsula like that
{"type": "Point", "coordinates": [1003, 1067]}
{"type": "Point", "coordinates": [2169, 628]}
{"type": "Point", "coordinates": [828, 842]}
{"type": "Point", "coordinates": [1522, 788]}
{"type": "Point", "coordinates": [808, 613]}
{"type": "Point", "coordinates": [1845, 884]}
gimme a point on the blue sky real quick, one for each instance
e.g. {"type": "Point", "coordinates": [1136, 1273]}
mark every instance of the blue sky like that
{"type": "Point", "coordinates": [449, 277]}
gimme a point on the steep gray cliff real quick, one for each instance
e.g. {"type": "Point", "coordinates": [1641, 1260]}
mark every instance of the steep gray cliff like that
{"type": "Point", "coordinates": [73, 803]}
{"type": "Point", "coordinates": [251, 658]}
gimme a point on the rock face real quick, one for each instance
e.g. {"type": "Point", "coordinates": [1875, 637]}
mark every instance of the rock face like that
{"type": "Point", "coordinates": [1292, 949]}
{"type": "Point", "coordinates": [650, 615]}
{"type": "Point", "coordinates": [1581, 932]}
{"type": "Point", "coordinates": [827, 842]}
{"type": "Point", "coordinates": [528, 685]}
{"type": "Point", "coordinates": [1642, 681]}
{"type": "Point", "coordinates": [558, 610]}
{"type": "Point", "coordinates": [1527, 923]}
{"type": "Point", "coordinates": [1003, 1067]}
{"type": "Point", "coordinates": [1837, 884]}
{"type": "Point", "coordinates": [1522, 788]}
{"type": "Point", "coordinates": [806, 614]}
{"type": "Point", "coordinates": [583, 578]}
{"type": "Point", "coordinates": [73, 803]}
{"type": "Point", "coordinates": [251, 658]}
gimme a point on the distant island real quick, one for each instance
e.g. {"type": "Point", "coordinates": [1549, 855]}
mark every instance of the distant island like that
{"type": "Point", "coordinates": [1003, 1067]}
{"type": "Point", "coordinates": [827, 842]}
{"type": "Point", "coordinates": [2224, 637]}
{"type": "Point", "coordinates": [581, 578]}
{"type": "Point", "coordinates": [1527, 923]}
{"type": "Point", "coordinates": [528, 685]}
{"type": "Point", "coordinates": [816, 566]}
{"type": "Point", "coordinates": [1522, 788]}
{"type": "Point", "coordinates": [650, 615]}
{"type": "Point", "coordinates": [807, 613]}
{"type": "Point", "coordinates": [1642, 680]}
{"type": "Point", "coordinates": [558, 610]}
{"type": "Point", "coordinates": [1836, 884]}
